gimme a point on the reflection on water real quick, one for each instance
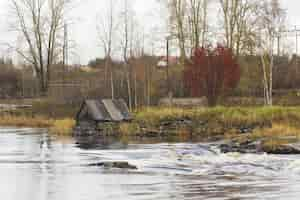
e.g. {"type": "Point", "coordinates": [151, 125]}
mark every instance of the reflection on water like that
{"type": "Point", "coordinates": [34, 166]}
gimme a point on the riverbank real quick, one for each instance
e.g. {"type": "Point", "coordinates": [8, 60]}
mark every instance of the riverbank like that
{"type": "Point", "coordinates": [211, 121]}
{"type": "Point", "coordinates": [272, 127]}
{"type": "Point", "coordinates": [42, 113]}
{"type": "Point", "coordinates": [55, 126]}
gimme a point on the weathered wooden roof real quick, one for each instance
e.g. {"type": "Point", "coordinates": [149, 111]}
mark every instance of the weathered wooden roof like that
{"type": "Point", "coordinates": [105, 110]}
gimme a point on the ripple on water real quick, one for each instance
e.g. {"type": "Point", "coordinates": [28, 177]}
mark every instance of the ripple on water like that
{"type": "Point", "coordinates": [44, 168]}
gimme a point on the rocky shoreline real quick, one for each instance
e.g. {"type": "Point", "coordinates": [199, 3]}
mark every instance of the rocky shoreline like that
{"type": "Point", "coordinates": [186, 129]}
{"type": "Point", "coordinates": [257, 147]}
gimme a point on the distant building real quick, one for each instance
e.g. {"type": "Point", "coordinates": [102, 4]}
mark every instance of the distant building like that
{"type": "Point", "coordinates": [162, 62]}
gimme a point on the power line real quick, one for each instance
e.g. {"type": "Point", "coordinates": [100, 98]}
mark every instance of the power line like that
{"type": "Point", "coordinates": [295, 33]}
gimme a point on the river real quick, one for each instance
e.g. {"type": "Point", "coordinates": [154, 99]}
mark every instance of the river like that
{"type": "Point", "coordinates": [35, 166]}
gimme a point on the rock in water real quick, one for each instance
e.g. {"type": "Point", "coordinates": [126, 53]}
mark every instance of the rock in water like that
{"type": "Point", "coordinates": [244, 147]}
{"type": "Point", "coordinates": [283, 149]}
{"type": "Point", "coordinates": [119, 165]}
{"type": "Point", "coordinates": [258, 147]}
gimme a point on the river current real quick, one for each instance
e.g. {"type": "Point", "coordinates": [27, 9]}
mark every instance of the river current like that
{"type": "Point", "coordinates": [35, 166]}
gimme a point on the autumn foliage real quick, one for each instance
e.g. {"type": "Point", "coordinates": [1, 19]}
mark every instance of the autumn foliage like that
{"type": "Point", "coordinates": [211, 73]}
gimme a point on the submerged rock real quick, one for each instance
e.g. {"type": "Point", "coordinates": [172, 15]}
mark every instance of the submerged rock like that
{"type": "Point", "coordinates": [258, 147]}
{"type": "Point", "coordinates": [244, 147]}
{"type": "Point", "coordinates": [119, 165]}
{"type": "Point", "coordinates": [283, 149]}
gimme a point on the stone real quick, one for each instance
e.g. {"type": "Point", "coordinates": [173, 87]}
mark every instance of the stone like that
{"type": "Point", "coordinates": [258, 147]}
{"type": "Point", "coordinates": [244, 147]}
{"type": "Point", "coordinates": [283, 149]}
{"type": "Point", "coordinates": [117, 164]}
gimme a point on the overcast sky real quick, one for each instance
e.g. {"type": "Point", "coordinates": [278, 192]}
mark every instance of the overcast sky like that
{"type": "Point", "coordinates": [83, 31]}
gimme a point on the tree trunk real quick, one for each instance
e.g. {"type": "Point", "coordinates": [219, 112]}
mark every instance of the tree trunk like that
{"type": "Point", "coordinates": [112, 85]}
{"type": "Point", "coordinates": [129, 88]}
{"type": "Point", "coordinates": [135, 92]}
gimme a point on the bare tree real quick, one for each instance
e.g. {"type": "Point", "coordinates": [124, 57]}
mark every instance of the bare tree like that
{"type": "Point", "coordinates": [239, 18]}
{"type": "Point", "coordinates": [126, 49]}
{"type": "Point", "coordinates": [197, 17]}
{"type": "Point", "coordinates": [178, 23]}
{"type": "Point", "coordinates": [40, 23]}
{"type": "Point", "coordinates": [132, 43]}
{"type": "Point", "coordinates": [107, 28]}
{"type": "Point", "coordinates": [188, 23]}
{"type": "Point", "coordinates": [272, 21]}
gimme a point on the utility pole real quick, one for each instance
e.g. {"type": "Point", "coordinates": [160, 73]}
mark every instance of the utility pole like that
{"type": "Point", "coordinates": [21, 65]}
{"type": "Point", "coordinates": [295, 33]}
{"type": "Point", "coordinates": [278, 45]}
{"type": "Point", "coordinates": [170, 93]}
{"type": "Point", "coordinates": [167, 67]}
{"type": "Point", "coordinates": [65, 46]}
{"type": "Point", "coordinates": [65, 57]}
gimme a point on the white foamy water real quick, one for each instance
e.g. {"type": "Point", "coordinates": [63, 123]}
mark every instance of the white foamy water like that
{"type": "Point", "coordinates": [34, 166]}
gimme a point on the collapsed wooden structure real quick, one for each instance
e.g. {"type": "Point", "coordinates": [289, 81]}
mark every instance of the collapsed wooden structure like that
{"type": "Point", "coordinates": [105, 110]}
{"type": "Point", "coordinates": [94, 113]}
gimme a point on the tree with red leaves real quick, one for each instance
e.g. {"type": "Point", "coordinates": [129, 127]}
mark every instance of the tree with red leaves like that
{"type": "Point", "coordinates": [211, 73]}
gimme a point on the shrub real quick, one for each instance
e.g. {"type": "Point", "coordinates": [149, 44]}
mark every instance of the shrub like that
{"type": "Point", "coordinates": [211, 73]}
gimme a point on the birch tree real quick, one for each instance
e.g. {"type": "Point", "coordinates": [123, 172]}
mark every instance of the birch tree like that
{"type": "Point", "coordinates": [40, 23]}
{"type": "Point", "coordinates": [273, 18]}
{"type": "Point", "coordinates": [107, 28]}
{"type": "Point", "coordinates": [127, 26]}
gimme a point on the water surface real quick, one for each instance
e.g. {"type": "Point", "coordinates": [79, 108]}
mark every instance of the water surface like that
{"type": "Point", "coordinates": [34, 166]}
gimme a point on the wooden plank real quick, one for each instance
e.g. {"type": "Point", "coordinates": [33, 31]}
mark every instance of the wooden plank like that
{"type": "Point", "coordinates": [122, 107]}
{"type": "Point", "coordinates": [103, 110]}
{"type": "Point", "coordinates": [114, 112]}
{"type": "Point", "coordinates": [94, 111]}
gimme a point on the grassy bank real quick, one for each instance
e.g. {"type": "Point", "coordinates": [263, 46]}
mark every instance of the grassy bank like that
{"type": "Point", "coordinates": [57, 127]}
{"type": "Point", "coordinates": [58, 118]}
{"type": "Point", "coordinates": [272, 137]}
{"type": "Point", "coordinates": [24, 121]}
{"type": "Point", "coordinates": [272, 124]}
{"type": "Point", "coordinates": [229, 116]}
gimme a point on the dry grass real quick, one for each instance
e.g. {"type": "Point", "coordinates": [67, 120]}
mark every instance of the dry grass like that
{"type": "Point", "coordinates": [229, 116]}
{"type": "Point", "coordinates": [229, 119]}
{"type": "Point", "coordinates": [23, 121]}
{"type": "Point", "coordinates": [62, 127]}
{"type": "Point", "coordinates": [277, 131]}
{"type": "Point", "coordinates": [272, 138]}
{"type": "Point", "coordinates": [272, 144]}
{"type": "Point", "coordinates": [129, 128]}
{"type": "Point", "coordinates": [280, 134]}
{"type": "Point", "coordinates": [58, 127]}
{"type": "Point", "coordinates": [284, 119]}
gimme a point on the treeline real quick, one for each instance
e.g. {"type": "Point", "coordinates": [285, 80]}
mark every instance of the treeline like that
{"type": "Point", "coordinates": [131, 66]}
{"type": "Point", "coordinates": [73, 84]}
